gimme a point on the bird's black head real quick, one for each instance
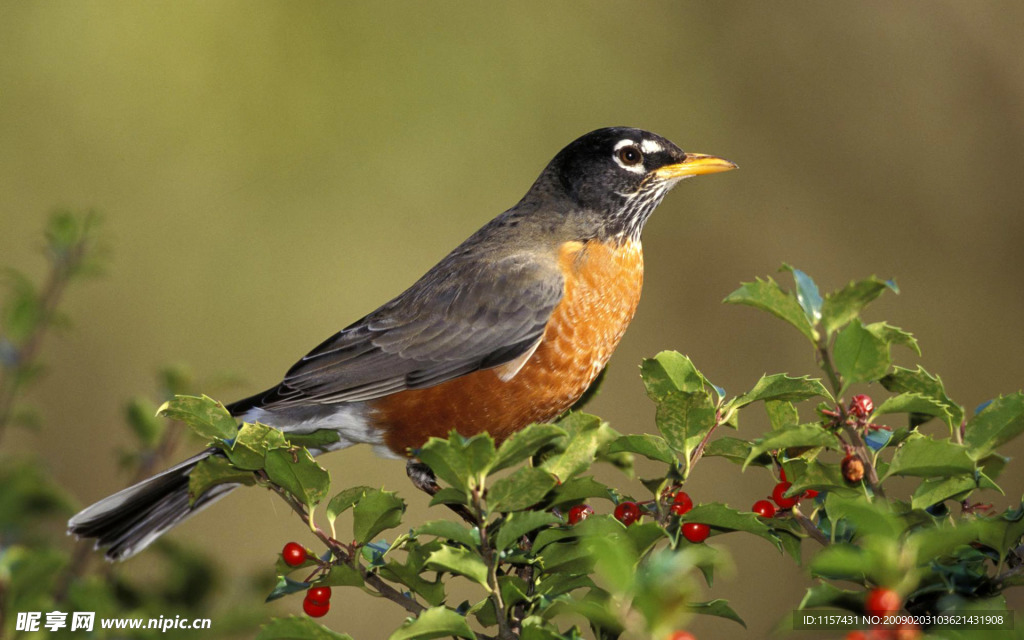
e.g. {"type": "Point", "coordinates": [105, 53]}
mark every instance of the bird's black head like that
{"type": "Point", "coordinates": [620, 174]}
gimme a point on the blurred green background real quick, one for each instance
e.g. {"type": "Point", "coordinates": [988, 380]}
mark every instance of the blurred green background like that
{"type": "Point", "coordinates": [271, 171]}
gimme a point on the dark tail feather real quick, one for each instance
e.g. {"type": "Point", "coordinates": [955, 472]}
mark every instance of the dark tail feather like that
{"type": "Point", "coordinates": [128, 521]}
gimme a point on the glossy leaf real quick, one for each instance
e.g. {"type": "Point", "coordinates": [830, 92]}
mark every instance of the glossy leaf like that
{"type": "Point", "coordinates": [520, 490]}
{"type": "Point", "coordinates": [437, 622]}
{"type": "Point", "coordinates": [647, 445]}
{"type": "Point", "coordinates": [998, 423]}
{"type": "Point", "coordinates": [214, 471]}
{"type": "Point", "coordinates": [297, 472]}
{"type": "Point", "coordinates": [768, 296]}
{"type": "Point", "coordinates": [922, 456]}
{"type": "Point", "coordinates": [376, 511]}
{"type": "Point", "coordinates": [204, 415]}
{"type": "Point", "coordinates": [920, 381]}
{"type": "Point", "coordinates": [846, 304]}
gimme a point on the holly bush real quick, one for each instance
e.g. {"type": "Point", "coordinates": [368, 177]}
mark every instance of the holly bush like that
{"type": "Point", "coordinates": [881, 489]}
{"type": "Point", "coordinates": [875, 495]}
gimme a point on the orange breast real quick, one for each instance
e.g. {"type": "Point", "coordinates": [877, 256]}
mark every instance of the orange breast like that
{"type": "Point", "coordinates": [602, 289]}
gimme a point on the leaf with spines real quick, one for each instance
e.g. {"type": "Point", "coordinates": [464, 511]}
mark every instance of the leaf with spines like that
{"type": "Point", "coordinates": [461, 462]}
{"type": "Point", "coordinates": [920, 381]}
{"type": "Point", "coordinates": [249, 448]}
{"type": "Point", "coordinates": [449, 530]}
{"type": "Point", "coordinates": [735, 450]}
{"type": "Point", "coordinates": [780, 387]}
{"type": "Point", "coordinates": [521, 523]}
{"type": "Point", "coordinates": [646, 444]}
{"type": "Point", "coordinates": [722, 518]}
{"type": "Point", "coordinates": [526, 443]}
{"type": "Point", "coordinates": [668, 372]}
{"type": "Point", "coordinates": [998, 423]}
{"type": "Point", "coordinates": [436, 622]}
{"type": "Point", "coordinates": [294, 627]}
{"type": "Point", "coordinates": [213, 471]}
{"type": "Point", "coordinates": [295, 471]}
{"type": "Point", "coordinates": [913, 403]}
{"type": "Point", "coordinates": [204, 415]}
{"type": "Point", "coordinates": [934, 490]}
{"type": "Point", "coordinates": [841, 307]}
{"type": "Point", "coordinates": [376, 511]}
{"type": "Point", "coordinates": [920, 455]}
{"type": "Point", "coordinates": [719, 608]}
{"type": "Point", "coordinates": [804, 435]}
{"type": "Point", "coordinates": [460, 561]}
{"type": "Point", "coordinates": [520, 490]}
{"type": "Point", "coordinates": [806, 294]}
{"type": "Point", "coordinates": [684, 419]}
{"type": "Point", "coordinates": [768, 296]}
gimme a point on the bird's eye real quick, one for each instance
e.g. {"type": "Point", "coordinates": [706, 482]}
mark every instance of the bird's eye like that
{"type": "Point", "coordinates": [630, 156]}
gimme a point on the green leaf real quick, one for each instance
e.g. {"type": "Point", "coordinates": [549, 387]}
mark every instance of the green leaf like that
{"type": "Point", "coordinates": [670, 371]}
{"type": "Point", "coordinates": [768, 296]}
{"type": "Point", "coordinates": [461, 462]}
{"type": "Point", "coordinates": [860, 355]}
{"type": "Point", "coordinates": [436, 622]}
{"type": "Point", "coordinates": [526, 443]}
{"type": "Point", "coordinates": [840, 307]}
{"type": "Point", "coordinates": [780, 387]}
{"type": "Point", "coordinates": [735, 450]}
{"type": "Point", "coordinates": [577, 490]}
{"type": "Point", "coordinates": [684, 419]}
{"type": "Point", "coordinates": [520, 490]}
{"type": "Point", "coordinates": [920, 455]}
{"type": "Point", "coordinates": [285, 586]}
{"type": "Point", "coordinates": [867, 518]}
{"type": "Point", "coordinates": [203, 415]}
{"type": "Point", "coordinates": [920, 381]}
{"type": "Point", "coordinates": [213, 471]}
{"type": "Point", "coordinates": [781, 414]}
{"type": "Point", "coordinates": [319, 439]}
{"type": "Point", "coordinates": [250, 447]}
{"type": "Point", "coordinates": [914, 403]}
{"type": "Point", "coordinates": [998, 423]}
{"type": "Point", "coordinates": [342, 575]}
{"type": "Point", "coordinates": [804, 474]}
{"type": "Point", "coordinates": [461, 561]}
{"type": "Point", "coordinates": [376, 511]}
{"type": "Point", "coordinates": [891, 335]}
{"type": "Point", "coordinates": [718, 608]}
{"type": "Point", "coordinates": [806, 294]}
{"type": "Point", "coordinates": [294, 627]}
{"type": "Point", "coordinates": [824, 594]}
{"type": "Point", "coordinates": [344, 501]}
{"type": "Point", "coordinates": [410, 572]}
{"type": "Point", "coordinates": [450, 495]}
{"type": "Point", "coordinates": [448, 530]}
{"type": "Point", "coordinates": [521, 523]}
{"type": "Point", "coordinates": [647, 445]}
{"type": "Point", "coordinates": [934, 490]}
{"type": "Point", "coordinates": [722, 518]}
{"type": "Point", "coordinates": [295, 471]}
{"type": "Point", "coordinates": [840, 562]}
{"type": "Point", "coordinates": [585, 437]}
{"type": "Point", "coordinates": [804, 435]}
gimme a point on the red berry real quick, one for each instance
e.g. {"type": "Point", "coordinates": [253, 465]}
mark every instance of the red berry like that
{"type": "Point", "coordinates": [319, 595]}
{"type": "Point", "coordinates": [810, 494]}
{"type": "Point", "coordinates": [861, 406]}
{"type": "Point", "coordinates": [293, 554]}
{"type": "Point", "coordinates": [782, 475]}
{"type": "Point", "coordinates": [681, 635]}
{"type": "Point", "coordinates": [681, 503]}
{"type": "Point", "coordinates": [780, 498]}
{"type": "Point", "coordinates": [764, 509]}
{"type": "Point", "coordinates": [882, 602]}
{"type": "Point", "coordinates": [315, 609]}
{"type": "Point", "coordinates": [906, 631]}
{"type": "Point", "coordinates": [856, 635]}
{"type": "Point", "coordinates": [579, 513]}
{"type": "Point", "coordinates": [696, 532]}
{"type": "Point", "coordinates": [627, 512]}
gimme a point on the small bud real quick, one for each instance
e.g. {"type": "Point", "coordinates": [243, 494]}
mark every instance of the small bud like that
{"type": "Point", "coordinates": [853, 468]}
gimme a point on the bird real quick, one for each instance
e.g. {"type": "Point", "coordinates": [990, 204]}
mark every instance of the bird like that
{"type": "Point", "coordinates": [510, 328]}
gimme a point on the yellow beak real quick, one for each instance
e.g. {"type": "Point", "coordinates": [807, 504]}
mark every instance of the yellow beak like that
{"type": "Point", "coordinates": [696, 164]}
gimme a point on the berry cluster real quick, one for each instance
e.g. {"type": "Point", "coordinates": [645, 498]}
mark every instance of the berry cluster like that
{"type": "Point", "coordinates": [318, 599]}
{"type": "Point", "coordinates": [628, 513]}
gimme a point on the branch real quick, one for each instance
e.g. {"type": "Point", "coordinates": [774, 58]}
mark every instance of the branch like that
{"type": "Point", "coordinates": [810, 527]}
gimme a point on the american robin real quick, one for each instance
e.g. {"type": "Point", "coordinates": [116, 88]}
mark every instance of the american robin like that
{"type": "Point", "coordinates": [509, 328]}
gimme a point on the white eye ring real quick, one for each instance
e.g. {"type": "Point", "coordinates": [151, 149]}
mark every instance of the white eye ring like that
{"type": "Point", "coordinates": [628, 156]}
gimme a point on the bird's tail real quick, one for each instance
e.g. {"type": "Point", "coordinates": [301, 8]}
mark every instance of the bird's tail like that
{"type": "Point", "coordinates": [128, 521]}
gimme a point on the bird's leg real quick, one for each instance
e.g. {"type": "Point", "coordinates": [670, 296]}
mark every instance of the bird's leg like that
{"type": "Point", "coordinates": [425, 480]}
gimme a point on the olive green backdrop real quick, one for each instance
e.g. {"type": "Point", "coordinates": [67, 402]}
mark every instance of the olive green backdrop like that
{"type": "Point", "coordinates": [271, 171]}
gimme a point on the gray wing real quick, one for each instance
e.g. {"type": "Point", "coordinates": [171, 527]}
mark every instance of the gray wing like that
{"type": "Point", "coordinates": [455, 320]}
